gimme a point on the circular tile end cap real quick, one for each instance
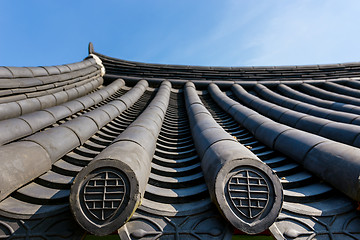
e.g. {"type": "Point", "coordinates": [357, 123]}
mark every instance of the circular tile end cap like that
{"type": "Point", "coordinates": [249, 194]}
{"type": "Point", "coordinates": [104, 195]}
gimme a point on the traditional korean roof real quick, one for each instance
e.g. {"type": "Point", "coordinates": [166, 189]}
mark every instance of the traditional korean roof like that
{"type": "Point", "coordinates": [146, 151]}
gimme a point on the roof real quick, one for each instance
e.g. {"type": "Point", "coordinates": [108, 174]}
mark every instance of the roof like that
{"type": "Point", "coordinates": [179, 152]}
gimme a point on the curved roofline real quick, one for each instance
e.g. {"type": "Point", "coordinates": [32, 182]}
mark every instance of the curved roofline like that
{"type": "Point", "coordinates": [279, 67]}
{"type": "Point", "coordinates": [225, 76]}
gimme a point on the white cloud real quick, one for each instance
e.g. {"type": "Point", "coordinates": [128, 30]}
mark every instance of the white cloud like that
{"type": "Point", "coordinates": [222, 42]}
{"type": "Point", "coordinates": [309, 32]}
{"type": "Point", "coordinates": [258, 32]}
{"type": "Point", "coordinates": [279, 33]}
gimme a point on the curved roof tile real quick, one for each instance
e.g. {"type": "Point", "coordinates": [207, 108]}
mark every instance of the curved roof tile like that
{"type": "Point", "coordinates": [154, 150]}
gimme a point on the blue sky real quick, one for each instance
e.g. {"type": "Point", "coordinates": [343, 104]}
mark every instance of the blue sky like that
{"type": "Point", "coordinates": [196, 32]}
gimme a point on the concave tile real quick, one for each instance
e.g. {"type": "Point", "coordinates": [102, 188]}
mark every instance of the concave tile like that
{"type": "Point", "coordinates": [307, 193]}
{"type": "Point", "coordinates": [167, 171]}
{"type": "Point", "coordinates": [77, 159]}
{"type": "Point", "coordinates": [175, 139]}
{"type": "Point", "coordinates": [178, 209]}
{"type": "Point", "coordinates": [109, 132]}
{"type": "Point", "coordinates": [93, 146]}
{"type": "Point", "coordinates": [182, 162]}
{"type": "Point", "coordinates": [171, 181]}
{"type": "Point", "coordinates": [86, 152]}
{"type": "Point", "coordinates": [275, 161]}
{"type": "Point", "coordinates": [66, 168]}
{"type": "Point", "coordinates": [333, 205]}
{"type": "Point", "coordinates": [176, 125]}
{"type": "Point", "coordinates": [38, 194]}
{"type": "Point", "coordinates": [56, 180]}
{"type": "Point", "coordinates": [15, 208]}
{"type": "Point", "coordinates": [174, 142]}
{"type": "Point", "coordinates": [287, 169]}
{"type": "Point", "coordinates": [175, 135]}
{"type": "Point", "coordinates": [174, 148]}
{"type": "Point", "coordinates": [176, 193]}
{"type": "Point", "coordinates": [175, 155]}
{"type": "Point", "coordinates": [100, 141]}
{"type": "Point", "coordinates": [296, 179]}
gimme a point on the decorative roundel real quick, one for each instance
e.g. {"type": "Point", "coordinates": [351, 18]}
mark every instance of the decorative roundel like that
{"type": "Point", "coordinates": [104, 193]}
{"type": "Point", "coordinates": [250, 195]}
{"type": "Point", "coordinates": [248, 192]}
{"type": "Point", "coordinates": [102, 198]}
